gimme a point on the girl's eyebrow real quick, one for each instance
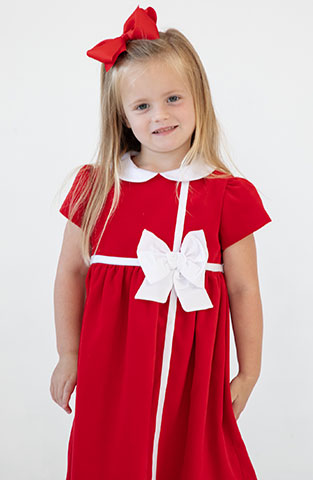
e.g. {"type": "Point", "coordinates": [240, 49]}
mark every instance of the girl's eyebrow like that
{"type": "Point", "coordinates": [144, 99]}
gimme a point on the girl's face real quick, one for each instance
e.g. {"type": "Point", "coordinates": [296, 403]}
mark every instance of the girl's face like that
{"type": "Point", "coordinates": [154, 97]}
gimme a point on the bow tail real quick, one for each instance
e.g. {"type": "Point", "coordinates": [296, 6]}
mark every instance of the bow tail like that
{"type": "Point", "coordinates": [190, 289]}
{"type": "Point", "coordinates": [157, 291]}
{"type": "Point", "coordinates": [194, 298]}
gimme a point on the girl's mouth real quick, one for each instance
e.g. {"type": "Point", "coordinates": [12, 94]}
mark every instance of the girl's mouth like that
{"type": "Point", "coordinates": [165, 130]}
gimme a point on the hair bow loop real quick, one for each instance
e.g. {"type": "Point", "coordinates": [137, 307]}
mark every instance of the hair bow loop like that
{"type": "Point", "coordinates": [107, 51]}
{"type": "Point", "coordinates": [140, 24]}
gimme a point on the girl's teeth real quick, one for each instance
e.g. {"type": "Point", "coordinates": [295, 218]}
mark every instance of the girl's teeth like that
{"type": "Point", "coordinates": [164, 129]}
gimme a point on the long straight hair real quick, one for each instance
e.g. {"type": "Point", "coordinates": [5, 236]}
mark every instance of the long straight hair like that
{"type": "Point", "coordinates": [116, 138]}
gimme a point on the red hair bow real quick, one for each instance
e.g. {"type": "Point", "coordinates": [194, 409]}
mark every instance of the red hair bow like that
{"type": "Point", "coordinates": [140, 24]}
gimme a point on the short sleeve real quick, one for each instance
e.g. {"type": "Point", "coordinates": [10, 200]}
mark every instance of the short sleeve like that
{"type": "Point", "coordinates": [73, 195]}
{"type": "Point", "coordinates": [242, 213]}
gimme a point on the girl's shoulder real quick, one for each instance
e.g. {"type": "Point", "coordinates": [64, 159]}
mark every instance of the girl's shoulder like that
{"type": "Point", "coordinates": [78, 194]}
{"type": "Point", "coordinates": [235, 186]}
{"type": "Point", "coordinates": [242, 210]}
{"type": "Point", "coordinates": [230, 179]}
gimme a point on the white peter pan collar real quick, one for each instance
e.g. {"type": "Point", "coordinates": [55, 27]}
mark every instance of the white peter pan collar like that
{"type": "Point", "coordinates": [130, 172]}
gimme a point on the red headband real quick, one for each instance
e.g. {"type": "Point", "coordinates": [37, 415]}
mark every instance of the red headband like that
{"type": "Point", "coordinates": [141, 24]}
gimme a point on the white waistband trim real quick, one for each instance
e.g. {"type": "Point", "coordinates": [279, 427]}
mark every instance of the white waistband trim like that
{"type": "Point", "coordinates": [213, 267]}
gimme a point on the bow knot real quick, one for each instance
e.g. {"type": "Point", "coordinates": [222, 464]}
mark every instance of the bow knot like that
{"type": "Point", "coordinates": [140, 24]}
{"type": "Point", "coordinates": [183, 270]}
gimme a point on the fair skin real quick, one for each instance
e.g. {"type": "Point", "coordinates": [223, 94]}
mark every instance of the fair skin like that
{"type": "Point", "coordinates": [152, 98]}
{"type": "Point", "coordinates": [69, 299]}
{"type": "Point", "coordinates": [150, 105]}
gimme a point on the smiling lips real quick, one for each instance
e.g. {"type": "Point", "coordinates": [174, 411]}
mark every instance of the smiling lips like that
{"type": "Point", "coordinates": [165, 129]}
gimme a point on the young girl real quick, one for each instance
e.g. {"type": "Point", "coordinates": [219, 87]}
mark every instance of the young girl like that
{"type": "Point", "coordinates": [158, 250]}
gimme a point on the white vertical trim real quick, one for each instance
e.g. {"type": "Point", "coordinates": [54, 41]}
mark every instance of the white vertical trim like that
{"type": "Point", "coordinates": [170, 326]}
{"type": "Point", "coordinates": [167, 352]}
{"type": "Point", "coordinates": [179, 227]}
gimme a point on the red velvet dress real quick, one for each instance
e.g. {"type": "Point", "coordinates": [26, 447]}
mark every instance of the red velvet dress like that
{"type": "Point", "coordinates": [126, 426]}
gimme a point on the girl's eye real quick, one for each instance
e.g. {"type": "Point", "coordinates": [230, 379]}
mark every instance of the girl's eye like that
{"type": "Point", "coordinates": [174, 96]}
{"type": "Point", "coordinates": [137, 108]}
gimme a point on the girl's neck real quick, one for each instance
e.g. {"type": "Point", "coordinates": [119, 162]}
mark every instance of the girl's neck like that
{"type": "Point", "coordinates": [161, 162]}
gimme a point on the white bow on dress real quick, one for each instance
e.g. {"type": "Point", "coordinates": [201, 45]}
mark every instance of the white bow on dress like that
{"type": "Point", "coordinates": [184, 270]}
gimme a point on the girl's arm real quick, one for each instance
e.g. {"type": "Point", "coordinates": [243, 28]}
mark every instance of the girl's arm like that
{"type": "Point", "coordinates": [241, 275]}
{"type": "Point", "coordinates": [69, 291]}
{"type": "Point", "coordinates": [69, 299]}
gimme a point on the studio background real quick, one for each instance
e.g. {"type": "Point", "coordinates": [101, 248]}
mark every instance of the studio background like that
{"type": "Point", "coordinates": [259, 64]}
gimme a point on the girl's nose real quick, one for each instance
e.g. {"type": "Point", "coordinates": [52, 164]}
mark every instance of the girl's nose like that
{"type": "Point", "coordinates": [160, 114]}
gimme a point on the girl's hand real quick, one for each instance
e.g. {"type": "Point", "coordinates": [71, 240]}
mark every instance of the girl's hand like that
{"type": "Point", "coordinates": [63, 380]}
{"type": "Point", "coordinates": [241, 387]}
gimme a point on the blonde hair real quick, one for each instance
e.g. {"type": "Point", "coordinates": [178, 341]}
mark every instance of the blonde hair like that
{"type": "Point", "coordinates": [116, 138]}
